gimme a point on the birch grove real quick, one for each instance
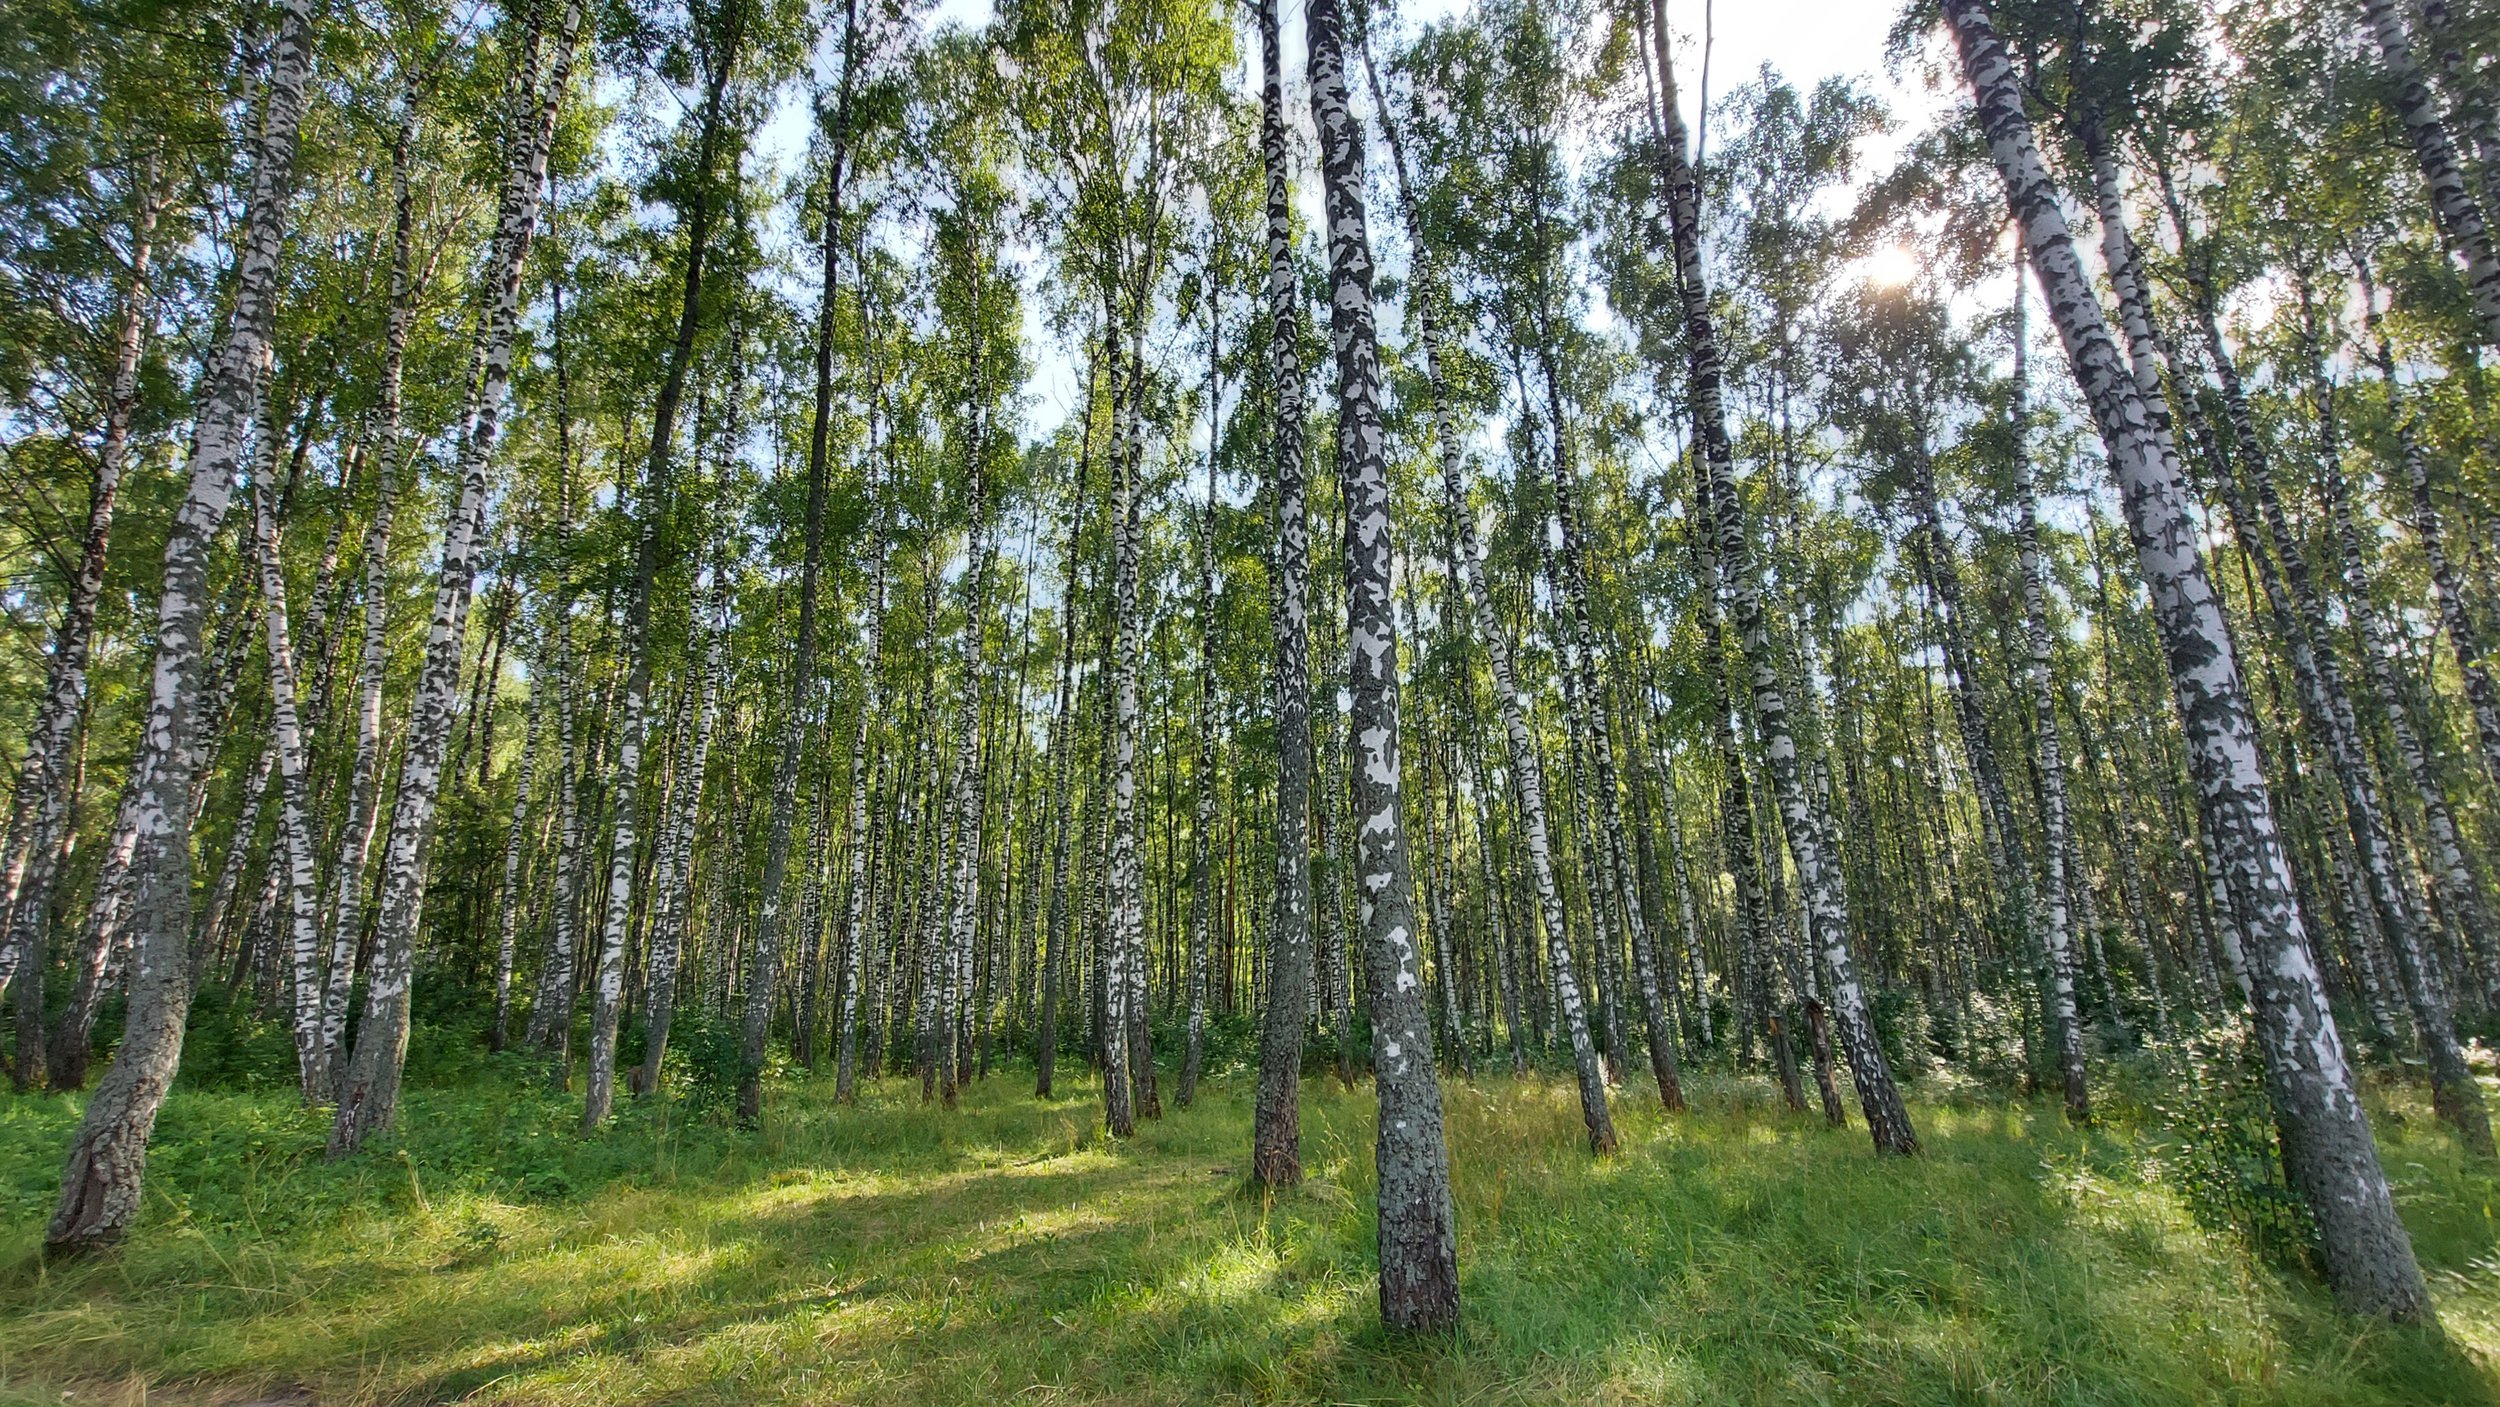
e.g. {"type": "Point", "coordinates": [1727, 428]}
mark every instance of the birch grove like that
{"type": "Point", "coordinates": [1029, 552]}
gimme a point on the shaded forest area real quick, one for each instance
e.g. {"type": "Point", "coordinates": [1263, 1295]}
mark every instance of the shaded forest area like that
{"type": "Point", "coordinates": [736, 700]}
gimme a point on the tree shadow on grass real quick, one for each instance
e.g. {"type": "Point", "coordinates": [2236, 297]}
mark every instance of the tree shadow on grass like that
{"type": "Point", "coordinates": [1732, 1255]}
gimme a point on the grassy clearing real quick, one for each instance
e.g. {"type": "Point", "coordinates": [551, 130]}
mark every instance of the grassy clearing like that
{"type": "Point", "coordinates": [892, 1254]}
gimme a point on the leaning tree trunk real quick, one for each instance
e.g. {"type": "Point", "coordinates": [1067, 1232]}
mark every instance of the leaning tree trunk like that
{"type": "Point", "coordinates": [38, 807]}
{"type": "Point", "coordinates": [1276, 1130]}
{"type": "Point", "coordinates": [115, 886]}
{"type": "Point", "coordinates": [2422, 515]}
{"type": "Point", "coordinates": [347, 869]}
{"type": "Point", "coordinates": [2455, 1091]}
{"type": "Point", "coordinates": [2326, 1141]}
{"type": "Point", "coordinates": [1933, 552]}
{"type": "Point", "coordinates": [1737, 835]}
{"type": "Point", "coordinates": [2470, 112]}
{"type": "Point", "coordinates": [2462, 223]}
{"type": "Point", "coordinates": [100, 1179]}
{"type": "Point", "coordinates": [369, 1095]}
{"type": "Point", "coordinates": [293, 857]}
{"type": "Point", "coordinates": [1418, 1227]}
{"type": "Point", "coordinates": [1887, 1120]}
{"type": "Point", "coordinates": [2298, 613]}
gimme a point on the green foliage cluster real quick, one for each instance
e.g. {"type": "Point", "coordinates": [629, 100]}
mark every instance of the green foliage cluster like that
{"type": "Point", "coordinates": [2218, 1148]}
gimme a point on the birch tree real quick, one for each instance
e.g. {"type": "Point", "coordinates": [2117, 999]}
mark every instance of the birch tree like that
{"type": "Point", "coordinates": [2326, 1137]}
{"type": "Point", "coordinates": [1418, 1226]}
{"type": "Point", "coordinates": [369, 1093]}
{"type": "Point", "coordinates": [100, 1180]}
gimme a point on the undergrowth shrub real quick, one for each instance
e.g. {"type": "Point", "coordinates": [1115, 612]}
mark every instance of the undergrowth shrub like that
{"type": "Point", "coordinates": [228, 1045]}
{"type": "Point", "coordinates": [701, 1070]}
{"type": "Point", "coordinates": [2216, 1144]}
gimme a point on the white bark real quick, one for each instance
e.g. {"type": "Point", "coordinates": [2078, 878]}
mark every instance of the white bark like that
{"type": "Point", "coordinates": [2326, 1137]}
{"type": "Point", "coordinates": [673, 880]}
{"type": "Point", "coordinates": [38, 807]}
{"type": "Point", "coordinates": [508, 922]}
{"type": "Point", "coordinates": [369, 1095]}
{"type": "Point", "coordinates": [364, 784]}
{"type": "Point", "coordinates": [2462, 223]}
{"type": "Point", "coordinates": [856, 918]}
{"type": "Point", "coordinates": [1818, 872]}
{"type": "Point", "coordinates": [971, 777]}
{"type": "Point", "coordinates": [286, 736]}
{"type": "Point", "coordinates": [1417, 1223]}
{"type": "Point", "coordinates": [2049, 902]}
{"type": "Point", "coordinates": [1276, 1147]}
{"type": "Point", "coordinates": [100, 1180]}
{"type": "Point", "coordinates": [1527, 766]}
{"type": "Point", "coordinates": [1125, 939]}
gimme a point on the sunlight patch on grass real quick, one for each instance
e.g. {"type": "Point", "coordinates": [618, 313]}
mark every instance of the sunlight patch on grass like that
{"type": "Point", "coordinates": [892, 1252]}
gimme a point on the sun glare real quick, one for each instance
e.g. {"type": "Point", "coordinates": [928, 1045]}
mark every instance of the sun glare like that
{"type": "Point", "coordinates": [1892, 266]}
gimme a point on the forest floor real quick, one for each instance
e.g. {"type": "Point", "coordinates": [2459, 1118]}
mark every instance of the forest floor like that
{"type": "Point", "coordinates": [1010, 1253]}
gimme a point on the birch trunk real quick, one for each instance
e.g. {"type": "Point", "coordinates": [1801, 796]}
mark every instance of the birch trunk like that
{"type": "Point", "coordinates": [2455, 1091]}
{"type": "Point", "coordinates": [1203, 780]}
{"type": "Point", "coordinates": [1887, 1120]}
{"type": "Point", "coordinates": [673, 884]}
{"type": "Point", "coordinates": [1417, 1231]}
{"type": "Point", "coordinates": [214, 922]}
{"type": "Point", "coordinates": [38, 806]}
{"type": "Point", "coordinates": [1616, 890]}
{"type": "Point", "coordinates": [2422, 515]}
{"type": "Point", "coordinates": [1276, 1130]}
{"type": "Point", "coordinates": [1124, 937]}
{"type": "Point", "coordinates": [369, 1096]}
{"type": "Point", "coordinates": [2470, 112]}
{"type": "Point", "coordinates": [294, 855]}
{"type": "Point", "coordinates": [2462, 223]}
{"type": "Point", "coordinates": [100, 1179]}
{"type": "Point", "coordinates": [1527, 767]}
{"type": "Point", "coordinates": [364, 774]}
{"type": "Point", "coordinates": [508, 923]}
{"type": "Point", "coordinates": [971, 779]}
{"type": "Point", "coordinates": [2056, 929]}
{"type": "Point", "coordinates": [632, 724]}
{"type": "Point", "coordinates": [803, 681]}
{"type": "Point", "coordinates": [1505, 972]}
{"type": "Point", "coordinates": [858, 911]}
{"type": "Point", "coordinates": [551, 1009]}
{"type": "Point", "coordinates": [2326, 1137]}
{"type": "Point", "coordinates": [2297, 607]}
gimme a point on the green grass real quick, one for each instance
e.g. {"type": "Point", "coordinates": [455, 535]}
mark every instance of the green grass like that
{"type": "Point", "coordinates": [1010, 1253]}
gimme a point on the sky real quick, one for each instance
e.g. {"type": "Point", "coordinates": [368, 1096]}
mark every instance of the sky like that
{"type": "Point", "coordinates": [1805, 40]}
